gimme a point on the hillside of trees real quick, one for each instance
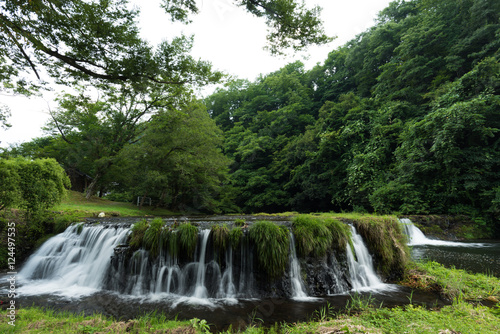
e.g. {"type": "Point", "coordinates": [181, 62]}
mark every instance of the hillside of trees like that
{"type": "Point", "coordinates": [403, 118]}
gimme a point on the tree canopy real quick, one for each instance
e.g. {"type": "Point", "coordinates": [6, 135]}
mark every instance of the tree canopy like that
{"type": "Point", "coordinates": [403, 118]}
{"type": "Point", "coordinates": [77, 40]}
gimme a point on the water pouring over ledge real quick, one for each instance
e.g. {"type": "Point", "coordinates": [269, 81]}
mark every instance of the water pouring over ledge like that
{"type": "Point", "coordinates": [81, 261]}
{"type": "Point", "coordinates": [483, 257]}
{"type": "Point", "coordinates": [417, 237]}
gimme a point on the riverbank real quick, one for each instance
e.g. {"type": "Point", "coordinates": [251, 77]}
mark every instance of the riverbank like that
{"type": "Point", "coordinates": [474, 309]}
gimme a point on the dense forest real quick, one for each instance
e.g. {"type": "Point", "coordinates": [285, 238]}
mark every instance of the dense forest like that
{"type": "Point", "coordinates": [403, 118]}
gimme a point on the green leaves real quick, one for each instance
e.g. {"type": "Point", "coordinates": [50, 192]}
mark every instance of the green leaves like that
{"type": "Point", "coordinates": [33, 185]}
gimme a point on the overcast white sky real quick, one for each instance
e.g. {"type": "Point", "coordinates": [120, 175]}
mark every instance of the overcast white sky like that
{"type": "Point", "coordinates": [225, 35]}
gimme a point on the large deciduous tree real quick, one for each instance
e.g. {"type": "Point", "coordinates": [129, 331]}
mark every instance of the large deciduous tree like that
{"type": "Point", "coordinates": [76, 40]}
{"type": "Point", "coordinates": [177, 160]}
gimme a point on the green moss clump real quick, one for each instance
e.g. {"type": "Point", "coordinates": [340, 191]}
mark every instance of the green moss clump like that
{"type": "Point", "coordinates": [311, 235]}
{"type": "Point", "coordinates": [187, 238]}
{"type": "Point", "coordinates": [272, 243]}
{"type": "Point", "coordinates": [137, 235]}
{"type": "Point", "coordinates": [315, 235]}
{"type": "Point", "coordinates": [235, 236]}
{"type": "Point", "coordinates": [386, 241]}
{"type": "Point", "coordinates": [239, 222]}
{"type": "Point", "coordinates": [152, 237]}
{"type": "Point", "coordinates": [220, 234]}
{"type": "Point", "coordinates": [170, 241]}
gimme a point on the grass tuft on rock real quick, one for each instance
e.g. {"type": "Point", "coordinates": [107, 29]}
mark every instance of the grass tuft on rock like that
{"type": "Point", "coordinates": [152, 237]}
{"type": "Point", "coordinates": [272, 244]}
{"type": "Point", "coordinates": [315, 235]}
{"type": "Point", "coordinates": [187, 238]}
{"type": "Point", "coordinates": [385, 240]}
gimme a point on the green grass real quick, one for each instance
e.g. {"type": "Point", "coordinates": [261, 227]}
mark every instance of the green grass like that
{"type": "Point", "coordinates": [36, 320]}
{"type": "Point", "coordinates": [77, 205]}
{"type": "Point", "coordinates": [272, 244]}
{"type": "Point", "coordinates": [316, 235]}
{"type": "Point", "coordinates": [453, 283]}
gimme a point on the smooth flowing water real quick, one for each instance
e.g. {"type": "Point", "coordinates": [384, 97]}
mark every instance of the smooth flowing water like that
{"type": "Point", "coordinates": [477, 257]}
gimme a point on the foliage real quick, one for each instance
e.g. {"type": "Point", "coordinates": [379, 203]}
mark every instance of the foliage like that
{"type": "Point", "coordinates": [38, 320]}
{"type": "Point", "coordinates": [235, 235]}
{"type": "Point", "coordinates": [33, 185]}
{"type": "Point", "coordinates": [187, 238]}
{"type": "Point", "coordinates": [220, 236]}
{"type": "Point", "coordinates": [177, 161]}
{"type": "Point", "coordinates": [452, 283]}
{"type": "Point", "coordinates": [152, 240]}
{"type": "Point", "coordinates": [385, 239]}
{"type": "Point", "coordinates": [99, 42]}
{"type": "Point", "coordinates": [311, 236]}
{"type": "Point", "coordinates": [272, 245]}
{"type": "Point", "coordinates": [291, 24]}
{"type": "Point", "coordinates": [136, 237]}
{"type": "Point", "coordinates": [400, 119]}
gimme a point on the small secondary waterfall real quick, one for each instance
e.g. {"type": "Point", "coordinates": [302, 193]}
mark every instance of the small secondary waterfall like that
{"type": "Point", "coordinates": [360, 263]}
{"type": "Point", "coordinates": [298, 289]}
{"type": "Point", "coordinates": [88, 258]}
{"type": "Point", "coordinates": [76, 258]}
{"type": "Point", "coordinates": [416, 237]}
{"type": "Point", "coordinates": [414, 234]}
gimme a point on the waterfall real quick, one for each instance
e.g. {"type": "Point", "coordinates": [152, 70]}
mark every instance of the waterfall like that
{"type": "Point", "coordinates": [416, 237]}
{"type": "Point", "coordinates": [72, 263]}
{"type": "Point", "coordinates": [200, 290]}
{"type": "Point", "coordinates": [414, 234]}
{"type": "Point", "coordinates": [86, 259]}
{"type": "Point", "coordinates": [360, 263]}
{"type": "Point", "coordinates": [298, 289]}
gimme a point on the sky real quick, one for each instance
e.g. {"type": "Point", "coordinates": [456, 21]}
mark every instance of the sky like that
{"type": "Point", "coordinates": [224, 34]}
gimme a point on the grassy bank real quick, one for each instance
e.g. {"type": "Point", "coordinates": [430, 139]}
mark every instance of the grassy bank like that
{"type": "Point", "coordinates": [37, 320]}
{"type": "Point", "coordinates": [75, 204]}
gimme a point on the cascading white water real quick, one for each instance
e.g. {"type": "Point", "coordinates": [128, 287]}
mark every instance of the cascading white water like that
{"type": "Point", "coordinates": [81, 261]}
{"type": "Point", "coordinates": [416, 237]}
{"type": "Point", "coordinates": [72, 263]}
{"type": "Point", "coordinates": [298, 289]}
{"type": "Point", "coordinates": [200, 290]}
{"type": "Point", "coordinates": [360, 263]}
{"type": "Point", "coordinates": [414, 234]}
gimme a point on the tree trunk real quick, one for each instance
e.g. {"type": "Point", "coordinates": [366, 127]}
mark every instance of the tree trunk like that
{"type": "Point", "coordinates": [90, 188]}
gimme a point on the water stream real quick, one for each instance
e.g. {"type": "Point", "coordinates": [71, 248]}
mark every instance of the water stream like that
{"type": "Point", "coordinates": [477, 257]}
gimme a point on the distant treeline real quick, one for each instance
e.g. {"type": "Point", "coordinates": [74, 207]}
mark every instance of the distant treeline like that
{"type": "Point", "coordinates": [403, 118]}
